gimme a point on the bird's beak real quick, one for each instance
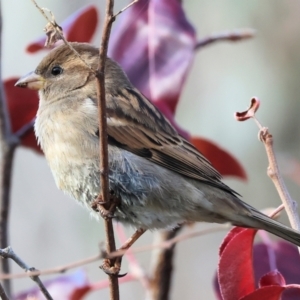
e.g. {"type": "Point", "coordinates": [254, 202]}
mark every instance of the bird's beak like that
{"type": "Point", "coordinates": [31, 81]}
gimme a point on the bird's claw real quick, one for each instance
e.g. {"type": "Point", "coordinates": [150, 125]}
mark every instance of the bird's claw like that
{"type": "Point", "coordinates": [98, 205]}
{"type": "Point", "coordinates": [112, 270]}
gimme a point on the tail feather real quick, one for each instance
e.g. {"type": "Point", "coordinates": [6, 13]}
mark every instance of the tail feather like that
{"type": "Point", "coordinates": [262, 221]}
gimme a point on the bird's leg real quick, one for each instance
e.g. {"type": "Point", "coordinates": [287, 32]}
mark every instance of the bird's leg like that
{"type": "Point", "coordinates": [115, 269]}
{"type": "Point", "coordinates": [98, 205]}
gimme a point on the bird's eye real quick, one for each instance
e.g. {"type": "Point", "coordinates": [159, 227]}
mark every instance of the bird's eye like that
{"type": "Point", "coordinates": [56, 70]}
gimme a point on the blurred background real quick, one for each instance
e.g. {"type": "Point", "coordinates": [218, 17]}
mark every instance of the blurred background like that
{"type": "Point", "coordinates": [48, 229]}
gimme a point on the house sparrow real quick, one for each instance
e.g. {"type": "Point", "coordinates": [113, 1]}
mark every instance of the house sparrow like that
{"type": "Point", "coordinates": [161, 179]}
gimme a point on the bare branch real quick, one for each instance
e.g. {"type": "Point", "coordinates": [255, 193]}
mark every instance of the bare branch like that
{"type": "Point", "coordinates": [25, 129]}
{"type": "Point", "coordinates": [169, 243]}
{"type": "Point", "coordinates": [126, 7]}
{"type": "Point", "coordinates": [104, 189]}
{"type": "Point", "coordinates": [8, 145]}
{"type": "Point", "coordinates": [57, 34]}
{"type": "Point", "coordinates": [101, 255]}
{"type": "Point", "coordinates": [273, 171]}
{"type": "Point", "coordinates": [9, 253]}
{"type": "Point", "coordinates": [56, 270]}
{"type": "Point", "coordinates": [231, 36]}
{"type": "Point", "coordinates": [276, 212]}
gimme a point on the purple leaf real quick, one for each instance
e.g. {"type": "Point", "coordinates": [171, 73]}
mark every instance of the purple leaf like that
{"type": "Point", "coordinates": [154, 43]}
{"type": "Point", "coordinates": [282, 256]}
{"type": "Point", "coordinates": [61, 287]}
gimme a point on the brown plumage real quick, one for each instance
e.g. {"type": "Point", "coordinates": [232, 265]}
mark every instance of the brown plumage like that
{"type": "Point", "coordinates": [161, 178]}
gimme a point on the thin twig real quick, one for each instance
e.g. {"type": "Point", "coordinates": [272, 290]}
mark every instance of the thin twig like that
{"type": "Point", "coordinates": [24, 129]}
{"type": "Point", "coordinates": [8, 145]}
{"type": "Point", "coordinates": [169, 243]}
{"type": "Point", "coordinates": [273, 171]}
{"type": "Point", "coordinates": [104, 183]}
{"type": "Point", "coordinates": [126, 7]}
{"type": "Point", "coordinates": [9, 253]}
{"type": "Point", "coordinates": [164, 244]}
{"type": "Point", "coordinates": [135, 268]}
{"type": "Point", "coordinates": [59, 31]}
{"type": "Point", "coordinates": [56, 270]}
{"type": "Point", "coordinates": [7, 155]}
{"type": "Point", "coordinates": [276, 211]}
{"type": "Point", "coordinates": [231, 36]}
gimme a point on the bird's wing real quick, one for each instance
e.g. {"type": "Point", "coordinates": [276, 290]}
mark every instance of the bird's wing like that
{"type": "Point", "coordinates": [135, 125]}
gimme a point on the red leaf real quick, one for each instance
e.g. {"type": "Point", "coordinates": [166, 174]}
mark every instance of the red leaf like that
{"type": "Point", "coordinates": [80, 292]}
{"type": "Point", "coordinates": [265, 293]}
{"type": "Point", "coordinates": [79, 27]}
{"type": "Point", "coordinates": [272, 278]}
{"type": "Point", "coordinates": [230, 235]}
{"type": "Point", "coordinates": [22, 106]}
{"type": "Point", "coordinates": [235, 271]}
{"type": "Point", "coordinates": [224, 162]}
{"type": "Point", "coordinates": [154, 43]}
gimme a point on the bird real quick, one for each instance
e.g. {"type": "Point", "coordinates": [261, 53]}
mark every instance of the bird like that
{"type": "Point", "coordinates": [161, 179]}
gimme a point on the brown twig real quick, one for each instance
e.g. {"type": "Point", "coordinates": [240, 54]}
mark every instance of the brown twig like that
{"type": "Point", "coordinates": [9, 253]}
{"type": "Point", "coordinates": [126, 7]}
{"type": "Point", "coordinates": [57, 31]}
{"type": "Point", "coordinates": [169, 243]}
{"type": "Point", "coordinates": [231, 36]}
{"type": "Point", "coordinates": [273, 170]}
{"type": "Point", "coordinates": [274, 173]}
{"type": "Point", "coordinates": [135, 268]}
{"type": "Point", "coordinates": [8, 146]}
{"type": "Point", "coordinates": [56, 270]}
{"type": "Point", "coordinates": [104, 191]}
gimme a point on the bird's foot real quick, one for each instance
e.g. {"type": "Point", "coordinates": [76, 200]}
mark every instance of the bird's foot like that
{"type": "Point", "coordinates": [114, 269]}
{"type": "Point", "coordinates": [112, 266]}
{"type": "Point", "coordinates": [106, 208]}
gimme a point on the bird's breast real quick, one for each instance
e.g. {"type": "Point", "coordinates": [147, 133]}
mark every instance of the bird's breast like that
{"type": "Point", "coordinates": [67, 136]}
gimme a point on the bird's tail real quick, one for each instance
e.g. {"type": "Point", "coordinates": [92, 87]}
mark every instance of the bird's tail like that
{"type": "Point", "coordinates": [260, 221]}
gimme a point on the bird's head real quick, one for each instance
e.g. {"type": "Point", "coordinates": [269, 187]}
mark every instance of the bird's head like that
{"type": "Point", "coordinates": [62, 71]}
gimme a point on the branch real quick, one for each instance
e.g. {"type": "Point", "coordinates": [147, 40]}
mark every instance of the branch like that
{"type": "Point", "coordinates": [9, 253]}
{"type": "Point", "coordinates": [24, 129]}
{"type": "Point", "coordinates": [56, 270]}
{"type": "Point", "coordinates": [135, 269]}
{"type": "Point", "coordinates": [169, 243]}
{"type": "Point", "coordinates": [101, 255]}
{"type": "Point", "coordinates": [104, 183]}
{"type": "Point", "coordinates": [273, 171]}
{"type": "Point", "coordinates": [231, 36]}
{"type": "Point", "coordinates": [55, 33]}
{"type": "Point", "coordinates": [162, 262]}
{"type": "Point", "coordinates": [8, 146]}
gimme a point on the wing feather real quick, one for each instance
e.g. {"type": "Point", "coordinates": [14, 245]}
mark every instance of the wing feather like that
{"type": "Point", "coordinates": [135, 125]}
